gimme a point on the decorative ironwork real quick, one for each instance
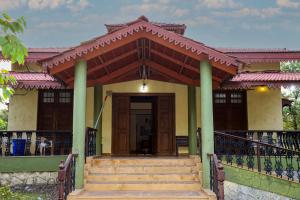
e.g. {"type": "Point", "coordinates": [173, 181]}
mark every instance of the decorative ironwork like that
{"type": "Point", "coordinates": [278, 165]}
{"type": "Point", "coordinates": [90, 142]}
{"type": "Point", "coordinates": [265, 154]}
{"type": "Point", "coordinates": [250, 157]}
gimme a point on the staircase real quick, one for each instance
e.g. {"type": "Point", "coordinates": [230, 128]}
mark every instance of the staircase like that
{"type": "Point", "coordinates": [143, 178]}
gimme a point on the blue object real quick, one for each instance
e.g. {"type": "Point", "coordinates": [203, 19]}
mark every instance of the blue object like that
{"type": "Point", "coordinates": [18, 147]}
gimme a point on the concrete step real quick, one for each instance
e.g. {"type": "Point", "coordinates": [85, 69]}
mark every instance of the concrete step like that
{"type": "Point", "coordinates": [140, 169]}
{"type": "Point", "coordinates": [144, 195]}
{"type": "Point", "coordinates": [142, 161]}
{"type": "Point", "coordinates": [143, 186]}
{"type": "Point", "coordinates": [142, 177]}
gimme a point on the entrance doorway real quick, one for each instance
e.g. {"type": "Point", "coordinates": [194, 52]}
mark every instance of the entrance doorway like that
{"type": "Point", "coordinates": [143, 124]}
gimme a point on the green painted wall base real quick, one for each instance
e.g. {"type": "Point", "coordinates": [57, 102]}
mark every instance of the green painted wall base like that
{"type": "Point", "coordinates": [262, 182]}
{"type": "Point", "coordinates": [30, 164]}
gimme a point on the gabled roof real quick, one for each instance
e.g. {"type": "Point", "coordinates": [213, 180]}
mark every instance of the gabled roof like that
{"type": "Point", "coordinates": [37, 54]}
{"type": "Point", "coordinates": [36, 80]}
{"type": "Point", "coordinates": [141, 25]}
{"type": "Point", "coordinates": [176, 28]}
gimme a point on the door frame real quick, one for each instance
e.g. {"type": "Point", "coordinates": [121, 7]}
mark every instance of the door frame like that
{"type": "Point", "coordinates": [113, 128]}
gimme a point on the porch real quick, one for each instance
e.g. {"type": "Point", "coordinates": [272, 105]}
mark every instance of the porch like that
{"type": "Point", "coordinates": [145, 88]}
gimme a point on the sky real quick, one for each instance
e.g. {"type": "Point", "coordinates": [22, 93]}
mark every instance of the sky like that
{"type": "Point", "coordinates": [218, 23]}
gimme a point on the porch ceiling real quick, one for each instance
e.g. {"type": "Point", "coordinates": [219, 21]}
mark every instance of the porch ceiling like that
{"type": "Point", "coordinates": [165, 55]}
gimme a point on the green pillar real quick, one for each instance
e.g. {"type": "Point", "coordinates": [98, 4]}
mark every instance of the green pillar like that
{"type": "Point", "coordinates": [207, 126]}
{"type": "Point", "coordinates": [192, 120]}
{"type": "Point", "coordinates": [98, 101]}
{"type": "Point", "coordinates": [79, 121]}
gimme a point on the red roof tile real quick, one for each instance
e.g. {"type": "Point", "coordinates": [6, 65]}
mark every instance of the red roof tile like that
{"type": "Point", "coordinates": [36, 54]}
{"type": "Point", "coordinates": [267, 76]}
{"type": "Point", "coordinates": [35, 80]}
{"type": "Point", "coordinates": [177, 28]}
{"type": "Point", "coordinates": [139, 26]}
{"type": "Point", "coordinates": [249, 80]}
{"type": "Point", "coordinates": [262, 55]}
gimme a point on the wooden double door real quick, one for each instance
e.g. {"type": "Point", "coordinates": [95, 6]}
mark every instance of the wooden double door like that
{"type": "Point", "coordinates": [163, 123]}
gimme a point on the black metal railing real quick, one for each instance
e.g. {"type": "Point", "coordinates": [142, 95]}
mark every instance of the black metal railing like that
{"type": "Point", "coordinates": [90, 142]}
{"type": "Point", "coordinates": [35, 142]}
{"type": "Point", "coordinates": [66, 177]}
{"type": "Point", "coordinates": [217, 176]}
{"type": "Point", "coordinates": [266, 158]}
{"type": "Point", "coordinates": [286, 139]}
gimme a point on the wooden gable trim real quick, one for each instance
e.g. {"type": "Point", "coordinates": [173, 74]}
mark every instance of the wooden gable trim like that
{"type": "Point", "coordinates": [115, 74]}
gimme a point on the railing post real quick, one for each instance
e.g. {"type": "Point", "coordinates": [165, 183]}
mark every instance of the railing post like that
{"type": "Point", "coordinates": [61, 181]}
{"type": "Point", "coordinates": [258, 157]}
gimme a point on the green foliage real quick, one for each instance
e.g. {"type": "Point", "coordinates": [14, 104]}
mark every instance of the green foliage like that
{"type": "Point", "coordinates": [12, 49]}
{"type": "Point", "coordinates": [291, 115]}
{"type": "Point", "coordinates": [7, 194]}
{"type": "Point", "coordinates": [3, 119]}
{"type": "Point", "coordinates": [11, 46]}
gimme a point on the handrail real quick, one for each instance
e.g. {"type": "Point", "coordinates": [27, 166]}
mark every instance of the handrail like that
{"type": "Point", "coordinates": [66, 176]}
{"type": "Point", "coordinates": [254, 141]}
{"type": "Point", "coordinates": [217, 176]}
{"type": "Point", "coordinates": [284, 138]}
{"type": "Point", "coordinates": [268, 158]}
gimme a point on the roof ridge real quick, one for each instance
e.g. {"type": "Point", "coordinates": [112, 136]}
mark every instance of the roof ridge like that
{"type": "Point", "coordinates": [140, 25]}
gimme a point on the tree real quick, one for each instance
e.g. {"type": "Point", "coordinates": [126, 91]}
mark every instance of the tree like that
{"type": "Point", "coordinates": [3, 119]}
{"type": "Point", "coordinates": [291, 114]}
{"type": "Point", "coordinates": [11, 49]}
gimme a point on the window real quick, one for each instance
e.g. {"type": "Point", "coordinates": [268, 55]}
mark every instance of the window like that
{"type": "Point", "coordinates": [65, 97]}
{"type": "Point", "coordinates": [236, 98]}
{"type": "Point", "coordinates": [48, 97]}
{"type": "Point", "coordinates": [220, 97]}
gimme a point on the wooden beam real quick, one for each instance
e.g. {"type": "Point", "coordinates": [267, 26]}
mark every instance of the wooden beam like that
{"type": "Point", "coordinates": [173, 60]}
{"type": "Point", "coordinates": [170, 72]}
{"type": "Point", "coordinates": [115, 74]}
{"type": "Point", "coordinates": [223, 67]}
{"type": "Point", "coordinates": [184, 62]}
{"type": "Point", "coordinates": [99, 51]}
{"type": "Point", "coordinates": [229, 69]}
{"type": "Point", "coordinates": [105, 64]}
{"type": "Point", "coordinates": [62, 67]}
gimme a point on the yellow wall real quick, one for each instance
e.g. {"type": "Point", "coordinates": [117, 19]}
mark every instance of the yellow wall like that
{"type": "Point", "coordinates": [260, 67]}
{"type": "Point", "coordinates": [264, 110]}
{"type": "Point", "coordinates": [90, 107]}
{"type": "Point", "coordinates": [31, 67]}
{"type": "Point", "coordinates": [154, 87]}
{"type": "Point", "coordinates": [22, 113]}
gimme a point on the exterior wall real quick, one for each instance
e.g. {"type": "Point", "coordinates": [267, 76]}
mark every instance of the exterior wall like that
{"type": "Point", "coordinates": [260, 67]}
{"type": "Point", "coordinates": [154, 87]}
{"type": "Point", "coordinates": [259, 181]}
{"type": "Point", "coordinates": [29, 68]}
{"type": "Point", "coordinates": [23, 108]}
{"type": "Point", "coordinates": [90, 107]}
{"type": "Point", "coordinates": [264, 110]}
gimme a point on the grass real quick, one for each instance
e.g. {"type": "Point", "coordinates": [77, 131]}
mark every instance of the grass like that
{"type": "Point", "coordinates": [32, 196]}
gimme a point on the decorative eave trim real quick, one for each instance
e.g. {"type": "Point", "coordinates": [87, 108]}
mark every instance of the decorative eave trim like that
{"type": "Point", "coordinates": [178, 40]}
{"type": "Point", "coordinates": [231, 85]}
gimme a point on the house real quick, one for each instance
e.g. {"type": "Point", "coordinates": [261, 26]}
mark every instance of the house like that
{"type": "Point", "coordinates": [155, 84]}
